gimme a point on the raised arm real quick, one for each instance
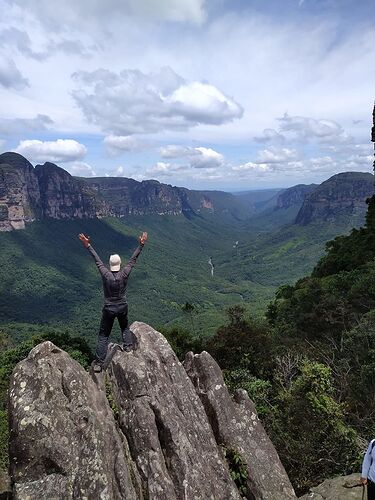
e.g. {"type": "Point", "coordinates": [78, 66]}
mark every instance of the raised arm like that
{"type": "Point", "coordinates": [133, 259]}
{"type": "Point", "coordinates": [99, 264]}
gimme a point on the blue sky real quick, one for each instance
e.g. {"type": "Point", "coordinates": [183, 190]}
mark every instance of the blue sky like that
{"type": "Point", "coordinates": [240, 94]}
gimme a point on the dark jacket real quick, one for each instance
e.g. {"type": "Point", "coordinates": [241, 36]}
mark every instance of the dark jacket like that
{"type": "Point", "coordinates": [114, 283]}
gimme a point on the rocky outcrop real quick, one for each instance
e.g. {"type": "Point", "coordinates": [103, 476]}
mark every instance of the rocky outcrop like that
{"type": "Point", "coordinates": [338, 488]}
{"type": "Point", "coordinates": [293, 196]}
{"type": "Point", "coordinates": [157, 440]}
{"type": "Point", "coordinates": [237, 427]}
{"type": "Point", "coordinates": [63, 437]}
{"type": "Point", "coordinates": [341, 196]}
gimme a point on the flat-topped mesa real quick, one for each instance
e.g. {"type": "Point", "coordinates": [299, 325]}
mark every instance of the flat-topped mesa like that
{"type": "Point", "coordinates": [48, 191]}
{"type": "Point", "coordinates": [159, 441]}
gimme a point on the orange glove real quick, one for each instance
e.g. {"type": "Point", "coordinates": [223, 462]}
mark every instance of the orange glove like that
{"type": "Point", "coordinates": [143, 238]}
{"type": "Point", "coordinates": [85, 239]}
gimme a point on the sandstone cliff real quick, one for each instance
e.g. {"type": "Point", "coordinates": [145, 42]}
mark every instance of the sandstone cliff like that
{"type": "Point", "coordinates": [294, 196]}
{"type": "Point", "coordinates": [48, 191]}
{"type": "Point", "coordinates": [163, 431]}
{"type": "Point", "coordinates": [341, 196]}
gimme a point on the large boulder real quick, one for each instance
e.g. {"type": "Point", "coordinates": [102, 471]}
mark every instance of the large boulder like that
{"type": "Point", "coordinates": [164, 421]}
{"type": "Point", "coordinates": [338, 488]}
{"type": "Point", "coordinates": [237, 428]}
{"type": "Point", "coordinates": [63, 437]}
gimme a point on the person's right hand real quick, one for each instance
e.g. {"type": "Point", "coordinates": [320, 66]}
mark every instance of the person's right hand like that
{"type": "Point", "coordinates": [363, 480]}
{"type": "Point", "coordinates": [143, 238]}
{"type": "Point", "coordinates": [85, 239]}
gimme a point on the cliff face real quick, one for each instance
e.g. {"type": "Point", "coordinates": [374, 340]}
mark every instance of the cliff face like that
{"type": "Point", "coordinates": [343, 195]}
{"type": "Point", "coordinates": [293, 196]}
{"type": "Point", "coordinates": [63, 196]}
{"type": "Point", "coordinates": [129, 197]}
{"type": "Point", "coordinates": [48, 191]}
{"type": "Point", "coordinates": [19, 192]}
{"type": "Point", "coordinates": [163, 431]}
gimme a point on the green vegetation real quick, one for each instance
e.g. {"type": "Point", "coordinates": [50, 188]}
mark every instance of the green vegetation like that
{"type": "Point", "coordinates": [307, 360]}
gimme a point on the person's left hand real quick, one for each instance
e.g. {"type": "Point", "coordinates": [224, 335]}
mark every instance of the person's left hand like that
{"type": "Point", "coordinates": [363, 481]}
{"type": "Point", "coordinates": [85, 239]}
{"type": "Point", "coordinates": [143, 238]}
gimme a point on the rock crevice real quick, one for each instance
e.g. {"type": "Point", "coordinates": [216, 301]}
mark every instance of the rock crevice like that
{"type": "Point", "coordinates": [157, 442]}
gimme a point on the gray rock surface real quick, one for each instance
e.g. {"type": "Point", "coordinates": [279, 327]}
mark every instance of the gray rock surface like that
{"type": "Point", "coordinates": [339, 488]}
{"type": "Point", "coordinates": [163, 419]}
{"type": "Point", "coordinates": [5, 486]}
{"type": "Point", "coordinates": [236, 426]}
{"type": "Point", "coordinates": [63, 438]}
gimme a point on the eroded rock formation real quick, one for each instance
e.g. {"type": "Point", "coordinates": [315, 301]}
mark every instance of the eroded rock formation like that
{"type": "Point", "coordinates": [153, 437]}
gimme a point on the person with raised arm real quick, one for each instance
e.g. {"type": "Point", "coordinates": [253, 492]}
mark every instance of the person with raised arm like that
{"type": "Point", "coordinates": [115, 281]}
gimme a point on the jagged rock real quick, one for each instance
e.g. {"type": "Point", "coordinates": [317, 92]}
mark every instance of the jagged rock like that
{"type": "Point", "coordinates": [63, 437]}
{"type": "Point", "coordinates": [236, 427]}
{"type": "Point", "coordinates": [163, 419]}
{"type": "Point", "coordinates": [339, 488]}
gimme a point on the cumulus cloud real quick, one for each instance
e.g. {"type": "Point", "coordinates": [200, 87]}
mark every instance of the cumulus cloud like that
{"type": "Point", "coordinates": [10, 75]}
{"type": "Point", "coordinates": [166, 169]}
{"type": "Point", "coordinates": [16, 125]}
{"type": "Point", "coordinates": [134, 102]}
{"type": "Point", "coordinates": [274, 155]}
{"type": "Point", "coordinates": [61, 150]}
{"type": "Point", "coordinates": [116, 144]}
{"type": "Point", "coordinates": [80, 169]}
{"type": "Point", "coordinates": [198, 157]}
{"type": "Point", "coordinates": [307, 128]}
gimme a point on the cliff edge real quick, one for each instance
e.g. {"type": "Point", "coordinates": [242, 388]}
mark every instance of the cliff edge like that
{"type": "Point", "coordinates": [149, 428]}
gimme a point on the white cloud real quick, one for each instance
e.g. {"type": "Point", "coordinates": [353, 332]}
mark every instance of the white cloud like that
{"type": "Point", "coordinates": [274, 155]}
{"type": "Point", "coordinates": [198, 157]}
{"type": "Point", "coordinates": [10, 76]}
{"type": "Point", "coordinates": [119, 171]}
{"type": "Point", "coordinates": [16, 125]}
{"type": "Point", "coordinates": [116, 144]}
{"type": "Point", "coordinates": [134, 102]}
{"type": "Point", "coordinates": [270, 135]}
{"type": "Point", "coordinates": [61, 150]}
{"type": "Point", "coordinates": [307, 128]}
{"type": "Point", "coordinates": [80, 169]}
{"type": "Point", "coordinates": [165, 169]}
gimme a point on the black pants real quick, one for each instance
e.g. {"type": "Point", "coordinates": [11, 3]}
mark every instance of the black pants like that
{"type": "Point", "coordinates": [370, 490]}
{"type": "Point", "coordinates": [109, 313]}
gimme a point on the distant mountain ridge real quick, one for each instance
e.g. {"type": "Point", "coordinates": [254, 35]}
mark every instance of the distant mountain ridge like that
{"type": "Point", "coordinates": [341, 196]}
{"type": "Point", "coordinates": [48, 191]}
